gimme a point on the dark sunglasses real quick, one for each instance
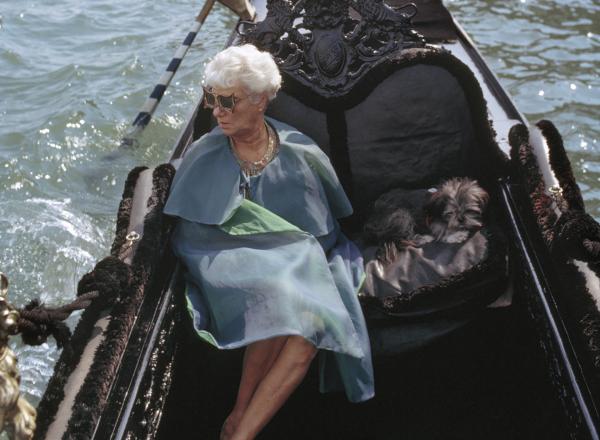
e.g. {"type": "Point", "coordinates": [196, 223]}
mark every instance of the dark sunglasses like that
{"type": "Point", "coordinates": [212, 100]}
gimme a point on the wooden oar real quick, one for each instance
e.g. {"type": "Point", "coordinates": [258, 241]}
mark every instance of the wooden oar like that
{"type": "Point", "coordinates": [241, 7]}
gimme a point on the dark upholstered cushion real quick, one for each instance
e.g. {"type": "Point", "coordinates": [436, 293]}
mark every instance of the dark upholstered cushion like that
{"type": "Point", "coordinates": [412, 131]}
{"type": "Point", "coordinates": [309, 121]}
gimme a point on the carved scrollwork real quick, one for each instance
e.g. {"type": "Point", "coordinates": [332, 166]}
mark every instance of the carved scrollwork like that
{"type": "Point", "coordinates": [318, 43]}
{"type": "Point", "coordinates": [16, 414]}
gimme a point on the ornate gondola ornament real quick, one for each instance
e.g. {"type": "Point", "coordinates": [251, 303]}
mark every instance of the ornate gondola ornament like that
{"type": "Point", "coordinates": [17, 416]}
{"type": "Point", "coordinates": [556, 193]}
{"type": "Point", "coordinates": [35, 322]}
{"type": "Point", "coordinates": [321, 45]}
{"type": "Point", "coordinates": [130, 239]}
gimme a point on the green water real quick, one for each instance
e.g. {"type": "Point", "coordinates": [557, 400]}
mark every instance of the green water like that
{"type": "Point", "coordinates": [73, 75]}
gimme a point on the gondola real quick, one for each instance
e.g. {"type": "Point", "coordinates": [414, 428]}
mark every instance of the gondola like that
{"type": "Point", "coordinates": [398, 96]}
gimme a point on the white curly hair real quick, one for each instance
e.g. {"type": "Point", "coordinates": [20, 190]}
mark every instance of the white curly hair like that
{"type": "Point", "coordinates": [244, 66]}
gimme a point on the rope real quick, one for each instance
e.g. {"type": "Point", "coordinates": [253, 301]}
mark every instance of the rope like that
{"type": "Point", "coordinates": [110, 276]}
{"type": "Point", "coordinates": [103, 286]}
{"type": "Point", "coordinates": [37, 322]}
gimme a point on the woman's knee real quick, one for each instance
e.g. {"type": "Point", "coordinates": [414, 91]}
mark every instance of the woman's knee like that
{"type": "Point", "coordinates": [304, 350]}
{"type": "Point", "coordinates": [265, 346]}
{"type": "Point", "coordinates": [260, 353]}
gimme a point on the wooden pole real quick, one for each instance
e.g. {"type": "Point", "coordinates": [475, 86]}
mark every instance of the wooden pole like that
{"type": "Point", "coordinates": [242, 8]}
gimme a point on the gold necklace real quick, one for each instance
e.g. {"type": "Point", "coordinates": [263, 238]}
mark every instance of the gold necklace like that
{"type": "Point", "coordinates": [254, 167]}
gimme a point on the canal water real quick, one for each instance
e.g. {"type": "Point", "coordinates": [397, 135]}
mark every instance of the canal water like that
{"type": "Point", "coordinates": [74, 73]}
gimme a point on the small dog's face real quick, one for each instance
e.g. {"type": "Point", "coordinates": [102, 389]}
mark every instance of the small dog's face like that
{"type": "Point", "coordinates": [456, 209]}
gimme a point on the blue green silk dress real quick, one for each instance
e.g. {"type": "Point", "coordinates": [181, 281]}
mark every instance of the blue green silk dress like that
{"type": "Point", "coordinates": [275, 263]}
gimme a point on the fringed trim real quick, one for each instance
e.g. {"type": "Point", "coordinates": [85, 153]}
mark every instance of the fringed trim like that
{"type": "Point", "coordinates": [91, 398]}
{"type": "Point", "coordinates": [124, 289]}
{"type": "Point", "coordinates": [559, 161]}
{"type": "Point", "coordinates": [68, 360]}
{"type": "Point", "coordinates": [71, 354]}
{"type": "Point", "coordinates": [125, 210]}
{"type": "Point", "coordinates": [525, 161]}
{"type": "Point", "coordinates": [110, 277]}
{"type": "Point", "coordinates": [473, 288]}
{"type": "Point", "coordinates": [575, 235]}
{"type": "Point", "coordinates": [583, 322]}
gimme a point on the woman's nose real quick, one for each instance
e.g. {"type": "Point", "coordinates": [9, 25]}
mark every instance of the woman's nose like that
{"type": "Point", "coordinates": [217, 111]}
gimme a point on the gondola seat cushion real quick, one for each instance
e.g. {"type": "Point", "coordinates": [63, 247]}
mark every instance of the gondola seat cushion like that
{"type": "Point", "coordinates": [411, 130]}
{"type": "Point", "coordinates": [420, 123]}
{"type": "Point", "coordinates": [404, 320]}
{"type": "Point", "coordinates": [454, 295]}
{"type": "Point", "coordinates": [418, 276]}
{"type": "Point", "coordinates": [414, 266]}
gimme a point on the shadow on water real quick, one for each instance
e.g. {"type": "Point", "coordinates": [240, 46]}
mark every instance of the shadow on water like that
{"type": "Point", "coordinates": [94, 173]}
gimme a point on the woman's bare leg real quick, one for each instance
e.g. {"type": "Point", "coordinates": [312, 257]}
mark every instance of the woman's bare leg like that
{"type": "Point", "coordinates": [258, 359]}
{"type": "Point", "coordinates": [283, 378]}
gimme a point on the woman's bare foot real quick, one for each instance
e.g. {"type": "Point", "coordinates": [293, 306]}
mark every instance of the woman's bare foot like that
{"type": "Point", "coordinates": [230, 425]}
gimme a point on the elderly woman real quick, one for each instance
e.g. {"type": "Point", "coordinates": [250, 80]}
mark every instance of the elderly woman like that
{"type": "Point", "coordinates": [267, 265]}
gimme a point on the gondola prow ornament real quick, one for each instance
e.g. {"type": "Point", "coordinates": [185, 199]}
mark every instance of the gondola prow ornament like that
{"type": "Point", "coordinates": [16, 414]}
{"type": "Point", "coordinates": [35, 322]}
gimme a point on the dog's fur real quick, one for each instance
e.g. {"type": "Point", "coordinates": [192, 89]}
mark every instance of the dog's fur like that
{"type": "Point", "coordinates": [455, 210]}
{"type": "Point", "coordinates": [404, 218]}
{"type": "Point", "coordinates": [396, 222]}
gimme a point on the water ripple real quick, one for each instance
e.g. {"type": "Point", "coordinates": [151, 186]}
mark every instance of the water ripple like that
{"type": "Point", "coordinates": [72, 78]}
{"type": "Point", "coordinates": [546, 55]}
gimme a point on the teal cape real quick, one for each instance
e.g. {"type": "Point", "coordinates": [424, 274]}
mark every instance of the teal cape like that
{"type": "Point", "coordinates": [276, 264]}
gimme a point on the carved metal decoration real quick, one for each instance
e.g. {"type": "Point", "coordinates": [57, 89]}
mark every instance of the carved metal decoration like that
{"type": "Point", "coordinates": [16, 414]}
{"type": "Point", "coordinates": [320, 45]}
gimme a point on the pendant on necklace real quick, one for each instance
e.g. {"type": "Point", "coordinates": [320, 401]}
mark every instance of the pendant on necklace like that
{"type": "Point", "coordinates": [252, 168]}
